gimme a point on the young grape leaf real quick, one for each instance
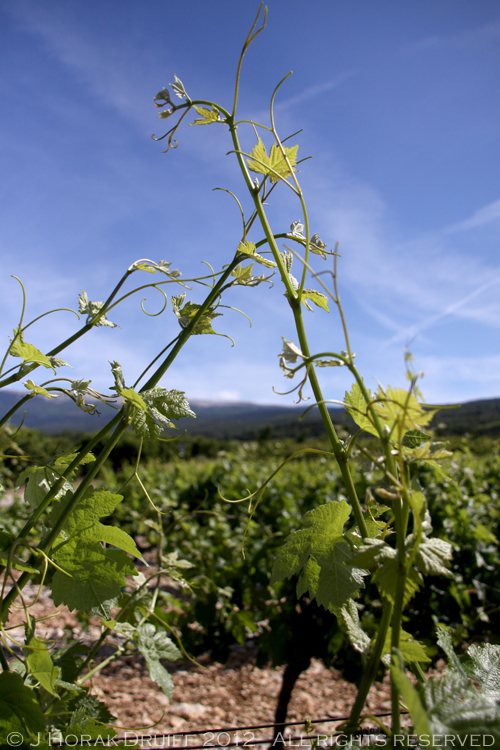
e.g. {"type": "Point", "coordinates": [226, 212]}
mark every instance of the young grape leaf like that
{"type": "Point", "coordinates": [387, 580]}
{"type": "Point", "coordinates": [445, 641]}
{"type": "Point", "coordinates": [41, 478]}
{"type": "Point", "coordinates": [291, 352]}
{"type": "Point", "coordinates": [457, 711]}
{"type": "Point", "coordinates": [91, 309]}
{"type": "Point", "coordinates": [321, 555]}
{"type": "Point", "coordinates": [162, 407]}
{"type": "Point", "coordinates": [317, 246]}
{"type": "Point", "coordinates": [41, 665]}
{"type": "Point", "coordinates": [398, 407]}
{"type": "Point", "coordinates": [483, 665]}
{"type": "Point", "coordinates": [275, 165]}
{"type": "Point", "coordinates": [19, 708]}
{"type": "Point", "coordinates": [164, 267]}
{"type": "Point", "coordinates": [82, 725]}
{"type": "Point", "coordinates": [319, 299]}
{"type": "Point", "coordinates": [117, 372]}
{"type": "Point", "coordinates": [359, 640]}
{"type": "Point", "coordinates": [97, 576]}
{"type": "Point", "coordinates": [30, 354]}
{"type": "Point", "coordinates": [358, 412]}
{"type": "Point", "coordinates": [297, 229]}
{"type": "Point", "coordinates": [207, 116]}
{"type": "Point", "coordinates": [243, 274]}
{"type": "Point", "coordinates": [414, 438]}
{"type": "Point", "coordinates": [187, 312]}
{"type": "Point", "coordinates": [133, 398]}
{"type": "Point", "coordinates": [412, 650]}
{"type": "Point", "coordinates": [37, 389]}
{"type": "Point", "coordinates": [58, 362]}
{"type": "Point", "coordinates": [178, 88]}
{"type": "Point", "coordinates": [373, 552]}
{"type": "Point", "coordinates": [155, 646]}
{"type": "Point", "coordinates": [97, 573]}
{"type": "Point", "coordinates": [163, 95]}
{"type": "Point", "coordinates": [433, 555]}
{"type": "Point", "coordinates": [83, 522]}
{"type": "Point", "coordinates": [428, 452]}
{"type": "Point", "coordinates": [248, 248]}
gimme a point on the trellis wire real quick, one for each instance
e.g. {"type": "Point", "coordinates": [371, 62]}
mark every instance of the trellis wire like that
{"type": "Point", "coordinates": [227, 730]}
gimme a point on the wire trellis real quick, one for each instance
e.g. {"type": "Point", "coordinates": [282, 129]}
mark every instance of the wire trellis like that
{"type": "Point", "coordinates": [169, 739]}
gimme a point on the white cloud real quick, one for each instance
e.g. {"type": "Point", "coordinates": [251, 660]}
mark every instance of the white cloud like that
{"type": "Point", "coordinates": [480, 218]}
{"type": "Point", "coordinates": [478, 37]}
{"type": "Point", "coordinates": [315, 90]}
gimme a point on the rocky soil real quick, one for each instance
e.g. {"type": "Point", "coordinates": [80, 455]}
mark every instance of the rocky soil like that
{"type": "Point", "coordinates": [208, 697]}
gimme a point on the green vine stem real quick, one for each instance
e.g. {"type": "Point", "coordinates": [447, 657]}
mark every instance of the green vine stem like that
{"type": "Point", "coordinates": [120, 423]}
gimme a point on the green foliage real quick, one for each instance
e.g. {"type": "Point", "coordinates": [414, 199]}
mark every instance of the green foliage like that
{"type": "Point", "coordinates": [391, 488]}
{"type": "Point", "coordinates": [279, 164]}
{"type": "Point", "coordinates": [322, 556]}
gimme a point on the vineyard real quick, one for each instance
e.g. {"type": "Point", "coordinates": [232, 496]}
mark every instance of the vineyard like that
{"type": "Point", "coordinates": [143, 557]}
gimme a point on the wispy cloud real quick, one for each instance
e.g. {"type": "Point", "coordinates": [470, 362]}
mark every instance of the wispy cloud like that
{"type": "Point", "coordinates": [420, 281]}
{"type": "Point", "coordinates": [478, 37]}
{"type": "Point", "coordinates": [104, 68]}
{"type": "Point", "coordinates": [315, 90]}
{"type": "Point", "coordinates": [480, 218]}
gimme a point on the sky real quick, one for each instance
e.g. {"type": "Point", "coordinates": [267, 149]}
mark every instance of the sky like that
{"type": "Point", "coordinates": [400, 111]}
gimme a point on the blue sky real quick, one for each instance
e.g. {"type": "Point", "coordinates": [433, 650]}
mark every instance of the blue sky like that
{"type": "Point", "coordinates": [400, 110]}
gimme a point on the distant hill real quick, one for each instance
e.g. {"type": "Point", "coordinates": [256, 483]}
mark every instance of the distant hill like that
{"type": "Point", "coordinates": [240, 420]}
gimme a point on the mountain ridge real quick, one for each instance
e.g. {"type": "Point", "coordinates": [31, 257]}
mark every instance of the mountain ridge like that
{"type": "Point", "coordinates": [243, 420]}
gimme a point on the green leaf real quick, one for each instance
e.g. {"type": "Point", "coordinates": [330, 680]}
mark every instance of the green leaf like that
{"type": "Point", "coordinates": [187, 312]}
{"type": "Point", "coordinates": [411, 650]}
{"type": "Point", "coordinates": [248, 248]}
{"type": "Point", "coordinates": [178, 88]}
{"type": "Point", "coordinates": [19, 708]}
{"type": "Point", "coordinates": [433, 555]}
{"type": "Point", "coordinates": [398, 407]}
{"type": "Point", "coordinates": [133, 398]}
{"type": "Point", "coordinates": [483, 665]}
{"type": "Point", "coordinates": [41, 665]}
{"type": "Point", "coordinates": [91, 309]}
{"type": "Point", "coordinates": [37, 389]}
{"type": "Point", "coordinates": [40, 480]}
{"type": "Point", "coordinates": [414, 438]}
{"type": "Point", "coordinates": [117, 371]}
{"type": "Point", "coordinates": [387, 580]}
{"type": "Point", "coordinates": [30, 353]}
{"type": "Point", "coordinates": [243, 274]}
{"type": "Point", "coordinates": [460, 713]}
{"type": "Point", "coordinates": [83, 522]}
{"type": "Point", "coordinates": [207, 116]}
{"type": "Point", "coordinates": [319, 299]}
{"type": "Point", "coordinates": [275, 165]}
{"type": "Point", "coordinates": [81, 725]}
{"type": "Point", "coordinates": [164, 96]}
{"type": "Point", "coordinates": [162, 407]}
{"type": "Point", "coordinates": [358, 412]}
{"type": "Point", "coordinates": [445, 641]}
{"type": "Point", "coordinates": [98, 576]}
{"type": "Point", "coordinates": [97, 573]}
{"type": "Point", "coordinates": [373, 552]}
{"type": "Point", "coordinates": [359, 640]}
{"type": "Point", "coordinates": [58, 362]}
{"type": "Point", "coordinates": [319, 550]}
{"type": "Point", "coordinates": [155, 646]}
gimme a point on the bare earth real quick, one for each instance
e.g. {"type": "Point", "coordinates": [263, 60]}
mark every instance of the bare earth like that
{"type": "Point", "coordinates": [207, 697]}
